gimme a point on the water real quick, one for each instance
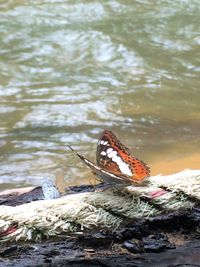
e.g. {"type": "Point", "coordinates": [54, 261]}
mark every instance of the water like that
{"type": "Point", "coordinates": [69, 70]}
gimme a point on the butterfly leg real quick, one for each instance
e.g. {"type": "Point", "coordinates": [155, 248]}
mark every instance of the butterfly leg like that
{"type": "Point", "coordinates": [104, 187]}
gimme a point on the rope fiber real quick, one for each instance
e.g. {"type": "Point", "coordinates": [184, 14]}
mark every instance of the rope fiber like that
{"type": "Point", "coordinates": [100, 210]}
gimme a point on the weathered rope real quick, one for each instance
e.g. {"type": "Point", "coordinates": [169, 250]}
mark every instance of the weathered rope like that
{"type": "Point", "coordinates": [108, 209]}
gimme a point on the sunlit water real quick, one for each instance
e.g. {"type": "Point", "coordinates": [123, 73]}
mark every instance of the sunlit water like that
{"type": "Point", "coordinates": [70, 69]}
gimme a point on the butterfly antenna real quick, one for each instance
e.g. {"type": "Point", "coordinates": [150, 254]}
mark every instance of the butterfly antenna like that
{"type": "Point", "coordinates": [80, 156]}
{"type": "Point", "coordinates": [71, 148]}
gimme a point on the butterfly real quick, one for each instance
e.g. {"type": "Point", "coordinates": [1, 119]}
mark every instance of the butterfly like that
{"type": "Point", "coordinates": [49, 189]}
{"type": "Point", "coordinates": [115, 165]}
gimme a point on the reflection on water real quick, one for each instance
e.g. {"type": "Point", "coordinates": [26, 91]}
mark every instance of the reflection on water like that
{"type": "Point", "coordinates": [71, 69]}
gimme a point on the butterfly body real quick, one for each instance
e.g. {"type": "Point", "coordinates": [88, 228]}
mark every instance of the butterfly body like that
{"type": "Point", "coordinates": [115, 165]}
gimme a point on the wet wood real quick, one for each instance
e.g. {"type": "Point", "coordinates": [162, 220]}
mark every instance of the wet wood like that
{"type": "Point", "coordinates": [19, 196]}
{"type": "Point", "coordinates": [15, 197]}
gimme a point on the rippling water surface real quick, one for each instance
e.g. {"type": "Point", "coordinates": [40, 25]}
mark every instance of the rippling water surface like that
{"type": "Point", "coordinates": [70, 69]}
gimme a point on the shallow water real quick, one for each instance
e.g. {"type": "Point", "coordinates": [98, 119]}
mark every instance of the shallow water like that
{"type": "Point", "coordinates": [68, 70]}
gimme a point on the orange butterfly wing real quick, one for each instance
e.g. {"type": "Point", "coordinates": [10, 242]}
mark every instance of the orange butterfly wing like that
{"type": "Point", "coordinates": [114, 157]}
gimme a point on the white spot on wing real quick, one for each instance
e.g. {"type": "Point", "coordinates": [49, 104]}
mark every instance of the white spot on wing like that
{"type": "Point", "coordinates": [116, 159]}
{"type": "Point", "coordinates": [104, 143]}
{"type": "Point", "coordinates": [112, 154]}
{"type": "Point", "coordinates": [124, 167]}
{"type": "Point", "coordinates": [109, 150]}
{"type": "Point", "coordinates": [103, 153]}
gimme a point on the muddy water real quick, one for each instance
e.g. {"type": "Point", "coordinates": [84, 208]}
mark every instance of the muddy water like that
{"type": "Point", "coordinates": [70, 69]}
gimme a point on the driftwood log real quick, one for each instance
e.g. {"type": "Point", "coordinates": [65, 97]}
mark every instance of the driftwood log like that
{"type": "Point", "coordinates": [108, 210]}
